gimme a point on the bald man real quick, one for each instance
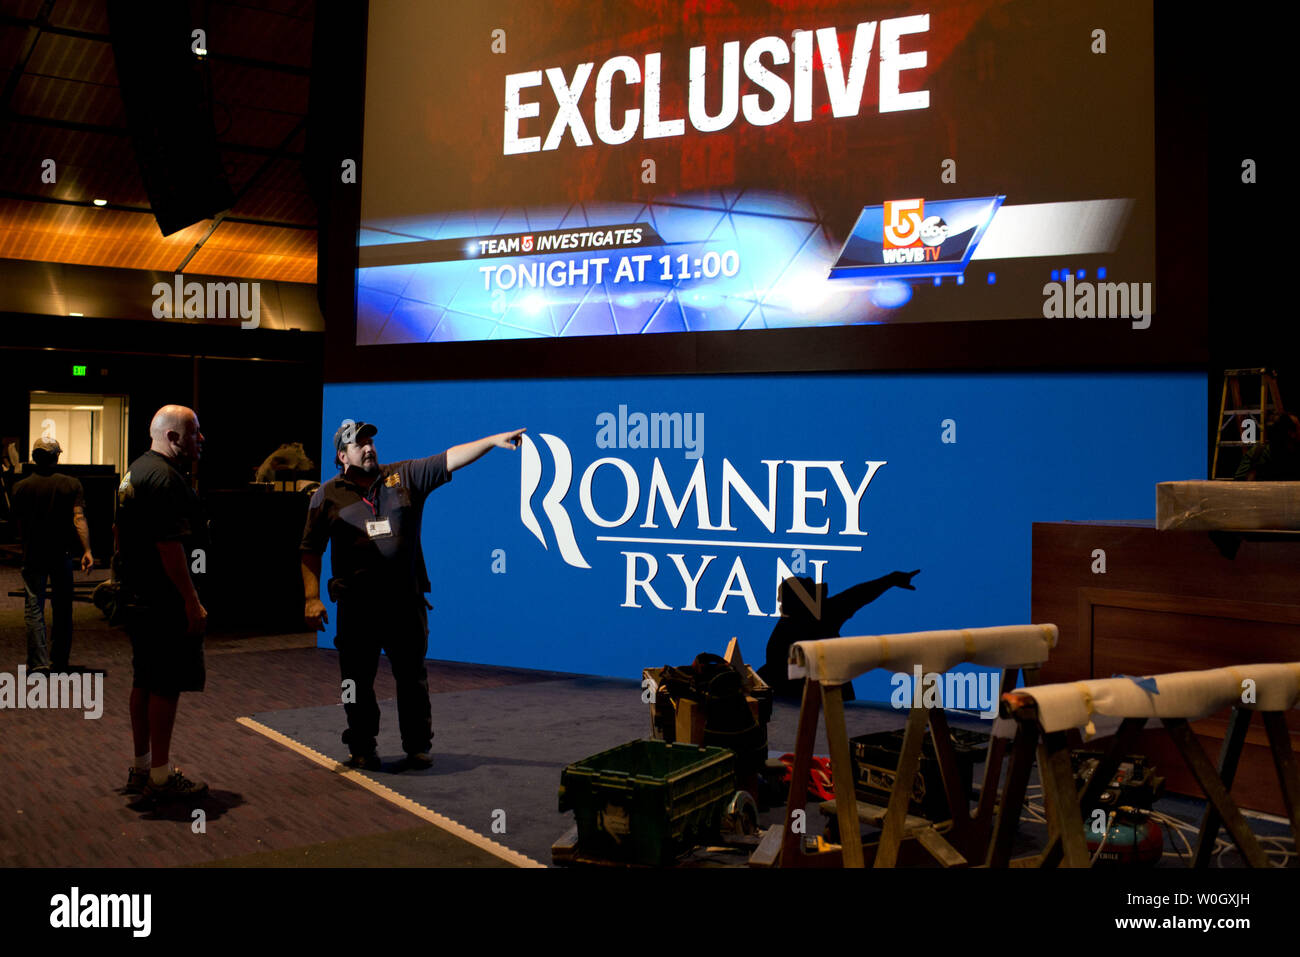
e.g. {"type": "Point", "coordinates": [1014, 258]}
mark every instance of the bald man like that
{"type": "Point", "coordinates": [159, 527]}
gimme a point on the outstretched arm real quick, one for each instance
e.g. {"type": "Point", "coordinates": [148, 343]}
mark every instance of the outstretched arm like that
{"type": "Point", "coordinates": [847, 602]}
{"type": "Point", "coordinates": [458, 456]}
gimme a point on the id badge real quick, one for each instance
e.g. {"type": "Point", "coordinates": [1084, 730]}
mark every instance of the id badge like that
{"type": "Point", "coordinates": [379, 529]}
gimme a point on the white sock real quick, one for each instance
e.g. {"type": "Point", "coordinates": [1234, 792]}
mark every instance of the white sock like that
{"type": "Point", "coordinates": [141, 761]}
{"type": "Point", "coordinates": [160, 775]}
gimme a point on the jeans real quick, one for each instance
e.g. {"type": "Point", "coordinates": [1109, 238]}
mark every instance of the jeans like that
{"type": "Point", "coordinates": [54, 652]}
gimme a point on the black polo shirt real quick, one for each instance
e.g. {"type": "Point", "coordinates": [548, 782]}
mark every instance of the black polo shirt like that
{"type": "Point", "coordinates": [155, 504]}
{"type": "Point", "coordinates": [43, 504]}
{"type": "Point", "coordinates": [375, 531]}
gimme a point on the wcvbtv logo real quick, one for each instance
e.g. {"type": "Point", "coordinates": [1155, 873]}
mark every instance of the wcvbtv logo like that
{"type": "Point", "coordinates": [675, 556]}
{"type": "Point", "coordinates": [913, 239]}
{"type": "Point", "coordinates": [908, 236]}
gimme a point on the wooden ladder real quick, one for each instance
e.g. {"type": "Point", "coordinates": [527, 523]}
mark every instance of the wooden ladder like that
{"type": "Point", "coordinates": [1238, 415]}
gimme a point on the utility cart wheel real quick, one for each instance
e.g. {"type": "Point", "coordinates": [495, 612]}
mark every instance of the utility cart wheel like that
{"type": "Point", "coordinates": [740, 817]}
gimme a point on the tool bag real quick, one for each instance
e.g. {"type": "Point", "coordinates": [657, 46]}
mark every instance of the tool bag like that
{"type": "Point", "coordinates": [713, 684]}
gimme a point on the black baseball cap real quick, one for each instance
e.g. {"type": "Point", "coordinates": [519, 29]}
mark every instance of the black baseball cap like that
{"type": "Point", "coordinates": [359, 431]}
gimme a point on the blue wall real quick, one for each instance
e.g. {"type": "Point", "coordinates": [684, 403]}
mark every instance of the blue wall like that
{"type": "Point", "coordinates": [1029, 447]}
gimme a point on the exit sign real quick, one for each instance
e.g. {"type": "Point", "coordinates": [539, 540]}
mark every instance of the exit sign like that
{"type": "Point", "coordinates": [78, 370]}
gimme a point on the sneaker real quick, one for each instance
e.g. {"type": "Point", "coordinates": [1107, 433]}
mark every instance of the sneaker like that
{"type": "Point", "coordinates": [176, 787]}
{"type": "Point", "coordinates": [419, 761]}
{"type": "Point", "coordinates": [136, 779]}
{"type": "Point", "coordinates": [364, 762]}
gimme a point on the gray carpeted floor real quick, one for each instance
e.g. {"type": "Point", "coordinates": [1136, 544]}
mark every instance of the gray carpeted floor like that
{"type": "Point", "coordinates": [499, 752]}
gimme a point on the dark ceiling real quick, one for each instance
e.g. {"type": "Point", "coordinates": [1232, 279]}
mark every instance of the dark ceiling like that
{"type": "Point", "coordinates": [59, 99]}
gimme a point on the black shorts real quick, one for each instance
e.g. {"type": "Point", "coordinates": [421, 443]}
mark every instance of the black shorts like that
{"type": "Point", "coordinates": [165, 660]}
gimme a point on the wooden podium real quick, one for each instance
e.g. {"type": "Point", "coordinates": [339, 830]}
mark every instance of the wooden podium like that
{"type": "Point", "coordinates": [1172, 601]}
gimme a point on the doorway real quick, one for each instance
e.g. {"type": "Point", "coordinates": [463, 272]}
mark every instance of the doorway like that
{"type": "Point", "coordinates": [90, 428]}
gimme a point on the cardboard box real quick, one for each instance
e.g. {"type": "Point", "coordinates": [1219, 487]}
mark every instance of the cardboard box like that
{"type": "Point", "coordinates": [690, 719]}
{"type": "Point", "coordinates": [684, 719]}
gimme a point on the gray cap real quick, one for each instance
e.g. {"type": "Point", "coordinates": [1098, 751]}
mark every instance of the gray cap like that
{"type": "Point", "coordinates": [359, 431]}
{"type": "Point", "coordinates": [49, 447]}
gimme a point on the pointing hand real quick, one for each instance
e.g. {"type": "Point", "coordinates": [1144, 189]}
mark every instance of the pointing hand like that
{"type": "Point", "coordinates": [510, 440]}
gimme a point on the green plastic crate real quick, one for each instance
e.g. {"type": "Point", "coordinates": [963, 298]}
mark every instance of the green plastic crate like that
{"type": "Point", "coordinates": [646, 801]}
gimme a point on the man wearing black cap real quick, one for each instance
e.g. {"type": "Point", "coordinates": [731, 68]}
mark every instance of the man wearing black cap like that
{"type": "Point", "coordinates": [50, 509]}
{"type": "Point", "coordinates": [371, 515]}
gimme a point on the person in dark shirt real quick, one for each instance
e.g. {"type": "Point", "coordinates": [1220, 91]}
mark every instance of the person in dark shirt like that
{"type": "Point", "coordinates": [159, 526]}
{"type": "Point", "coordinates": [370, 516]}
{"type": "Point", "coordinates": [798, 622]}
{"type": "Point", "coordinates": [50, 509]}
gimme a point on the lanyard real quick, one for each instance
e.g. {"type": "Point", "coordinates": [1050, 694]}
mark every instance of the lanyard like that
{"type": "Point", "coordinates": [365, 497]}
